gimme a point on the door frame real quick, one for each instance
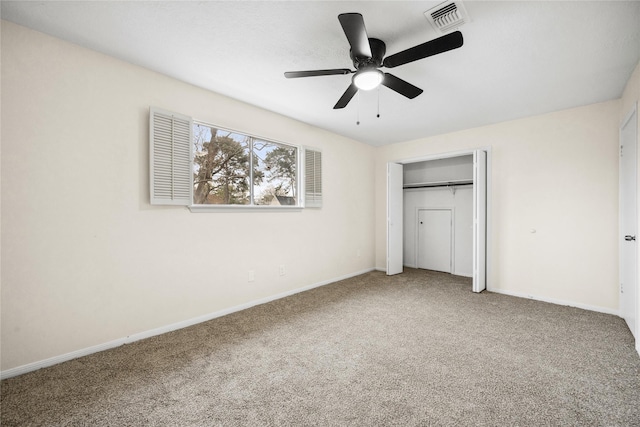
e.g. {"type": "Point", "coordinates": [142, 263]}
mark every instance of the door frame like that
{"type": "Point", "coordinates": [488, 228]}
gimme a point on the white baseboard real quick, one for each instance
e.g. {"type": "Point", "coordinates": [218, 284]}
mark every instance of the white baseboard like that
{"type": "Point", "coordinates": [13, 372]}
{"type": "Point", "coordinates": [557, 301]}
{"type": "Point", "coordinates": [595, 308]}
{"type": "Point", "coordinates": [543, 299]}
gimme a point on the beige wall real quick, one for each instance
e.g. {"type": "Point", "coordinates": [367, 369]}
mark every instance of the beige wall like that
{"type": "Point", "coordinates": [556, 174]}
{"type": "Point", "coordinates": [87, 260]}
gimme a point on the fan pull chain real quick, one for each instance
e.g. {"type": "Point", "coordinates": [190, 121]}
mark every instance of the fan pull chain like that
{"type": "Point", "coordinates": [378, 115]}
{"type": "Point", "coordinates": [358, 110]}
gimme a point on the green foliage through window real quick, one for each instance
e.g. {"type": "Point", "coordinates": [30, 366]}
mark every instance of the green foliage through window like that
{"type": "Point", "coordinates": [230, 168]}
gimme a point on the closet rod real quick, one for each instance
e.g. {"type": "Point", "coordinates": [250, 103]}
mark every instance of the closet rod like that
{"type": "Point", "coordinates": [453, 184]}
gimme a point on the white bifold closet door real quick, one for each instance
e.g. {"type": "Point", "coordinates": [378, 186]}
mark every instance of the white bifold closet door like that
{"type": "Point", "coordinates": [479, 221]}
{"type": "Point", "coordinates": [394, 218]}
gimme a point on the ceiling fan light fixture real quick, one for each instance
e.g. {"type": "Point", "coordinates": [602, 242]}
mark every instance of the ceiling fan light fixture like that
{"type": "Point", "coordinates": [368, 79]}
{"type": "Point", "coordinates": [367, 55]}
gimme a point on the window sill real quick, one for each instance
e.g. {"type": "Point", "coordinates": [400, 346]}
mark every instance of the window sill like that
{"type": "Point", "coordinates": [243, 208]}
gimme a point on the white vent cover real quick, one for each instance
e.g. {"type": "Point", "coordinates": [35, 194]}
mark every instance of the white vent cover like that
{"type": "Point", "coordinates": [447, 16]}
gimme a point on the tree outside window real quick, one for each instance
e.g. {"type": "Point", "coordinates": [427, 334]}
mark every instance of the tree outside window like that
{"type": "Point", "coordinates": [230, 168]}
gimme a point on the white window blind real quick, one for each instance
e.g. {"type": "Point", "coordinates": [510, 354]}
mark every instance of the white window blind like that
{"type": "Point", "coordinates": [170, 158]}
{"type": "Point", "coordinates": [312, 178]}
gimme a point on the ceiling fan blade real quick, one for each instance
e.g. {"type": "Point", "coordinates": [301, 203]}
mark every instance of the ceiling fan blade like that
{"type": "Point", "coordinates": [346, 97]}
{"type": "Point", "coordinates": [353, 26]}
{"type": "Point", "coordinates": [401, 86]}
{"type": "Point", "coordinates": [433, 47]}
{"type": "Point", "coordinates": [314, 73]}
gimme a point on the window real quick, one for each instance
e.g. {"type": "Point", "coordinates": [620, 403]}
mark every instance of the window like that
{"type": "Point", "coordinates": [231, 168]}
{"type": "Point", "coordinates": [198, 165]}
{"type": "Point", "coordinates": [276, 165]}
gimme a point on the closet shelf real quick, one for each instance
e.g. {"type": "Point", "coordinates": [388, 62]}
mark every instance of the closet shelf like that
{"type": "Point", "coordinates": [451, 183]}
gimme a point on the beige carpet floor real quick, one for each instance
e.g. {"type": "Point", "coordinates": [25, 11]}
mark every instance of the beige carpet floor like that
{"type": "Point", "coordinates": [416, 349]}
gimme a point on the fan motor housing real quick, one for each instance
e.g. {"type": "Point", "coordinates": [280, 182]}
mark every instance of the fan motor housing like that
{"type": "Point", "coordinates": [378, 49]}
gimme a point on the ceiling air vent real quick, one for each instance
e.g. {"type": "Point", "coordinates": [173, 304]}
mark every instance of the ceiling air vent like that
{"type": "Point", "coordinates": [447, 16]}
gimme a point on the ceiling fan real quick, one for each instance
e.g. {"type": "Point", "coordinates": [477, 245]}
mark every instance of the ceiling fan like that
{"type": "Point", "coordinates": [367, 55]}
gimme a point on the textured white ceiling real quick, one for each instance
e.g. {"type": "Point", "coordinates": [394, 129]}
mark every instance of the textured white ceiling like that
{"type": "Point", "coordinates": [518, 59]}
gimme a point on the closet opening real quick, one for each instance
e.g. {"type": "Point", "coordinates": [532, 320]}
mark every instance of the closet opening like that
{"type": "Point", "coordinates": [437, 215]}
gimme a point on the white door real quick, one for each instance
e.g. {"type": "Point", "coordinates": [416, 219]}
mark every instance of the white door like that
{"type": "Point", "coordinates": [628, 222]}
{"type": "Point", "coordinates": [434, 239]}
{"type": "Point", "coordinates": [479, 221]}
{"type": "Point", "coordinates": [394, 218]}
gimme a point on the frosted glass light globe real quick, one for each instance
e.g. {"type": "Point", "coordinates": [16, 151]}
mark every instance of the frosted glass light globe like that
{"type": "Point", "coordinates": [368, 79]}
